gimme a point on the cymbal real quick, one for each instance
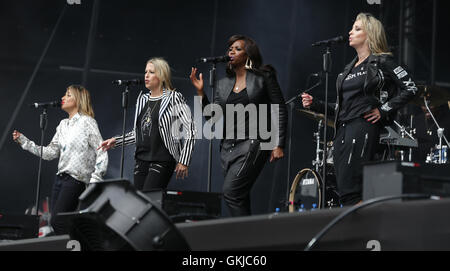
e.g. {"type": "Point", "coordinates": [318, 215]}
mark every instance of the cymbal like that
{"type": "Point", "coordinates": [436, 96]}
{"type": "Point", "coordinates": [316, 116]}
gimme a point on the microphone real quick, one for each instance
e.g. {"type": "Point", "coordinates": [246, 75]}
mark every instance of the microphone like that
{"type": "Point", "coordinates": [335, 40]}
{"type": "Point", "coordinates": [214, 59]}
{"type": "Point", "coordinates": [131, 82]}
{"type": "Point", "coordinates": [46, 104]}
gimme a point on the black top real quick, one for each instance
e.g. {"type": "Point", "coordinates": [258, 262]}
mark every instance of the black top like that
{"type": "Point", "coordinates": [262, 89]}
{"type": "Point", "coordinates": [149, 145]}
{"type": "Point", "coordinates": [238, 127]}
{"type": "Point", "coordinates": [354, 104]}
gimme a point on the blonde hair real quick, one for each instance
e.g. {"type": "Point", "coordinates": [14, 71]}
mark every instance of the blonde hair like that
{"type": "Point", "coordinates": [83, 99]}
{"type": "Point", "coordinates": [163, 72]}
{"type": "Point", "coordinates": [376, 36]}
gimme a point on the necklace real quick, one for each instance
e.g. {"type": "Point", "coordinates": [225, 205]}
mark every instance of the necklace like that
{"type": "Point", "coordinates": [237, 88]}
{"type": "Point", "coordinates": [149, 116]}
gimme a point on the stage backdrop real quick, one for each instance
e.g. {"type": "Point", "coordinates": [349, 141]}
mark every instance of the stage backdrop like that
{"type": "Point", "coordinates": [95, 42]}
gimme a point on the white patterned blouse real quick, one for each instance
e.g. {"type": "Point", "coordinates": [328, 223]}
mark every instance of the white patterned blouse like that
{"type": "Point", "coordinates": [75, 143]}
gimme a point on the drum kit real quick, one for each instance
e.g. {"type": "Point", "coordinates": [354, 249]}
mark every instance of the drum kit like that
{"type": "Point", "coordinates": [307, 186]}
{"type": "Point", "coordinates": [433, 96]}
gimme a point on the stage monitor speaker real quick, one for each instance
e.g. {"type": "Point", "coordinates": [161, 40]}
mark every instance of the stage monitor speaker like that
{"type": "Point", "coordinates": [115, 216]}
{"type": "Point", "coordinates": [396, 178]}
{"type": "Point", "coordinates": [183, 206]}
{"type": "Point", "coordinates": [15, 227]}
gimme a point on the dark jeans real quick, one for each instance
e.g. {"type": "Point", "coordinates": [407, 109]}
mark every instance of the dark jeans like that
{"type": "Point", "coordinates": [242, 162]}
{"type": "Point", "coordinates": [356, 142]}
{"type": "Point", "coordinates": [152, 175]}
{"type": "Point", "coordinates": [64, 198]}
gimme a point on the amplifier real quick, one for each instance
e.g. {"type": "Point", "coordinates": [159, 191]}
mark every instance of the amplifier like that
{"type": "Point", "coordinates": [182, 206]}
{"type": "Point", "coordinates": [15, 227]}
{"type": "Point", "coordinates": [396, 178]}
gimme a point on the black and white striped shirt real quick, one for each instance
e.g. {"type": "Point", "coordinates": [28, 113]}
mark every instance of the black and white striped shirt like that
{"type": "Point", "coordinates": [176, 126]}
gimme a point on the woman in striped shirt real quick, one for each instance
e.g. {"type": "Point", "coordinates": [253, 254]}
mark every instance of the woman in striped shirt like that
{"type": "Point", "coordinates": [160, 147]}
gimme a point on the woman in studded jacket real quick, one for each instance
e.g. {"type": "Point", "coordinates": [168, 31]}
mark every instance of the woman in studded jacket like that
{"type": "Point", "coordinates": [369, 91]}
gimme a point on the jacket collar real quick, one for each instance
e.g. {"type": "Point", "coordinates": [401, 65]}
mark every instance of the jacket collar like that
{"type": "Point", "coordinates": [372, 69]}
{"type": "Point", "coordinates": [74, 118]}
{"type": "Point", "coordinates": [229, 82]}
{"type": "Point", "coordinates": [145, 95]}
{"type": "Point", "coordinates": [345, 73]}
{"type": "Point", "coordinates": [371, 60]}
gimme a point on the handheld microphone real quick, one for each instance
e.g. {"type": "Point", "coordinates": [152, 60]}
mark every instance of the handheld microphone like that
{"type": "Point", "coordinates": [131, 82]}
{"type": "Point", "coordinates": [214, 59]}
{"type": "Point", "coordinates": [335, 40]}
{"type": "Point", "coordinates": [46, 104]}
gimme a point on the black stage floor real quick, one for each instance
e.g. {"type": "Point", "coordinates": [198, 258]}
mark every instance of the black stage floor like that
{"type": "Point", "coordinates": [422, 225]}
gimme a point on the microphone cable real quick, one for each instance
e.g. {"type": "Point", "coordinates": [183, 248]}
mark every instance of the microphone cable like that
{"type": "Point", "coordinates": [351, 210]}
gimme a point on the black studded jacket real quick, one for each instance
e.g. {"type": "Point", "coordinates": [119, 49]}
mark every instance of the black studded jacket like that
{"type": "Point", "coordinates": [387, 86]}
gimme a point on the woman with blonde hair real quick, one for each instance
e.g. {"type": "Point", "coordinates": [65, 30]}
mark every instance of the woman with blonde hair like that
{"type": "Point", "coordinates": [75, 143]}
{"type": "Point", "coordinates": [369, 91]}
{"type": "Point", "coordinates": [160, 149]}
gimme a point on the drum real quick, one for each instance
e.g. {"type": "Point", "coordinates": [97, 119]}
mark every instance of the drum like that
{"type": "Point", "coordinates": [306, 191]}
{"type": "Point", "coordinates": [436, 154]}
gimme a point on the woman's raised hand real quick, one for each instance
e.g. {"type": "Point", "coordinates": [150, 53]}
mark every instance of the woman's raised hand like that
{"type": "Point", "coordinates": [16, 135]}
{"type": "Point", "coordinates": [197, 82]}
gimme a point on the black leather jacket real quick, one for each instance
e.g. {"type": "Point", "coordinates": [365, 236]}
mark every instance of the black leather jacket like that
{"type": "Point", "coordinates": [387, 87]}
{"type": "Point", "coordinates": [262, 88]}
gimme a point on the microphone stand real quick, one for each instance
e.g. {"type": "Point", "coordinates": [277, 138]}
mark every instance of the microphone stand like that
{"type": "Point", "coordinates": [291, 104]}
{"type": "Point", "coordinates": [212, 85]}
{"type": "Point", "coordinates": [327, 70]}
{"type": "Point", "coordinates": [43, 125]}
{"type": "Point", "coordinates": [124, 106]}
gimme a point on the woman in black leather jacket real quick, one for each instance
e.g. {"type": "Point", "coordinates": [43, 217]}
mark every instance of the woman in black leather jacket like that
{"type": "Point", "coordinates": [248, 96]}
{"type": "Point", "coordinates": [369, 91]}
